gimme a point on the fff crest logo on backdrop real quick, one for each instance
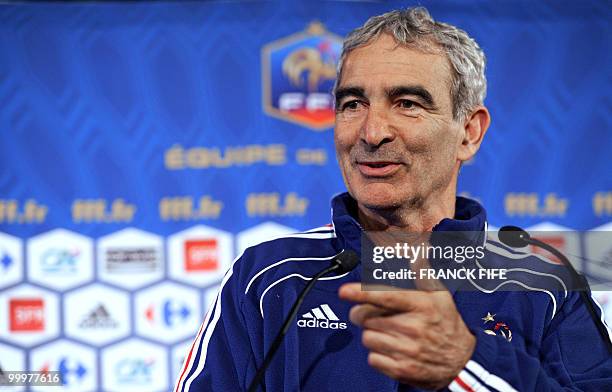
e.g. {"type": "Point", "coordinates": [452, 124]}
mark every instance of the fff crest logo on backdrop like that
{"type": "Point", "coordinates": [298, 74]}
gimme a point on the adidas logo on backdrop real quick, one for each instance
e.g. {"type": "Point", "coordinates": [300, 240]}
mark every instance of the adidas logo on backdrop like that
{"type": "Point", "coordinates": [98, 318]}
{"type": "Point", "coordinates": [321, 317]}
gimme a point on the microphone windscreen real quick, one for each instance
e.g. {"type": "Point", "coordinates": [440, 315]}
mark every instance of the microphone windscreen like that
{"type": "Point", "coordinates": [513, 236]}
{"type": "Point", "coordinates": [347, 260]}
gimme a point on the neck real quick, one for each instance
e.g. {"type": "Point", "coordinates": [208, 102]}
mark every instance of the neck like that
{"type": "Point", "coordinates": [417, 215]}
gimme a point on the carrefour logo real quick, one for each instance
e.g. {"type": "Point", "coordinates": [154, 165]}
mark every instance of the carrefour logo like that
{"type": "Point", "coordinates": [168, 313]}
{"type": "Point", "coordinates": [298, 74]}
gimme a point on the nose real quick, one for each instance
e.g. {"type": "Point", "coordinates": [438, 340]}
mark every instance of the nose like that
{"type": "Point", "coordinates": [375, 130]}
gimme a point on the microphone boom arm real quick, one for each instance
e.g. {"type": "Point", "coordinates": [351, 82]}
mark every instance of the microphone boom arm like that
{"type": "Point", "coordinates": [345, 261]}
{"type": "Point", "coordinates": [515, 237]}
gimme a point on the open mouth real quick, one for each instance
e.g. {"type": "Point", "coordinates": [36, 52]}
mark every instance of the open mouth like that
{"type": "Point", "coordinates": [376, 164]}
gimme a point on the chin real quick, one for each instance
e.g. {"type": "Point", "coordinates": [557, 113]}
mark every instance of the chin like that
{"type": "Point", "coordinates": [378, 196]}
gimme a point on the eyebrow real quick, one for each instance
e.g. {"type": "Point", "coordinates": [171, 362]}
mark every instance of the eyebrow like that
{"type": "Point", "coordinates": [350, 91]}
{"type": "Point", "coordinates": [393, 92]}
{"type": "Point", "coordinates": [417, 90]}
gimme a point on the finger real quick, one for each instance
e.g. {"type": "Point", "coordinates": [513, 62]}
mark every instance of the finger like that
{"type": "Point", "coordinates": [429, 284]}
{"type": "Point", "coordinates": [405, 300]}
{"type": "Point", "coordinates": [385, 364]}
{"type": "Point", "coordinates": [395, 346]}
{"type": "Point", "coordinates": [360, 313]}
{"type": "Point", "coordinates": [370, 287]}
{"type": "Point", "coordinates": [413, 338]}
{"type": "Point", "coordinates": [426, 283]}
{"type": "Point", "coordinates": [402, 324]}
{"type": "Point", "coordinates": [380, 287]}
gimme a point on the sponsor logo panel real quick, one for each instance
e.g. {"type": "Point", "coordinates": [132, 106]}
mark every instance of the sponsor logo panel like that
{"type": "Point", "coordinates": [598, 253]}
{"type": "Point", "coordinates": [167, 312]}
{"type": "Point", "coordinates": [200, 255]}
{"type": "Point", "coordinates": [96, 314]}
{"type": "Point", "coordinates": [130, 258]}
{"type": "Point", "coordinates": [135, 366]}
{"type": "Point", "coordinates": [562, 238]}
{"type": "Point", "coordinates": [76, 364]}
{"type": "Point", "coordinates": [261, 233]}
{"type": "Point", "coordinates": [11, 260]}
{"type": "Point", "coordinates": [28, 315]}
{"type": "Point", "coordinates": [11, 359]}
{"type": "Point", "coordinates": [60, 259]}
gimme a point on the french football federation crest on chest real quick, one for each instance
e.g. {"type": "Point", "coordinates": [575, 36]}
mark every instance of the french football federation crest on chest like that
{"type": "Point", "coordinates": [495, 327]}
{"type": "Point", "coordinates": [298, 75]}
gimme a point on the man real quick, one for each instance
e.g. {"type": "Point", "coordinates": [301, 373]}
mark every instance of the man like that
{"type": "Point", "coordinates": [410, 111]}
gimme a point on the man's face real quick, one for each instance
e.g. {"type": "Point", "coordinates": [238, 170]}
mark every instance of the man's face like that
{"type": "Point", "coordinates": [396, 140]}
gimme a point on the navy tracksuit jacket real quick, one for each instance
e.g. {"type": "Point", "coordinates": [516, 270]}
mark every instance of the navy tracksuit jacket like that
{"type": "Point", "coordinates": [536, 339]}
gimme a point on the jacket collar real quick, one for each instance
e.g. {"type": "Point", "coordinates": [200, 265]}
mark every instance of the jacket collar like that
{"type": "Point", "coordinates": [470, 219]}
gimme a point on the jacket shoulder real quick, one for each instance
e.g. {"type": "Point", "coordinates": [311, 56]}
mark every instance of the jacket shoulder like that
{"type": "Point", "coordinates": [299, 252]}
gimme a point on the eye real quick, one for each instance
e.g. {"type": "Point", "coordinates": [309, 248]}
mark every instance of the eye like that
{"type": "Point", "coordinates": [351, 105]}
{"type": "Point", "coordinates": [407, 104]}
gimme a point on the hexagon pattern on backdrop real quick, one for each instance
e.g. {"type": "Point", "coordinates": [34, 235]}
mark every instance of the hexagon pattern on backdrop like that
{"type": "Point", "coordinates": [97, 314]}
{"type": "Point", "coordinates": [598, 256]}
{"type": "Point", "coordinates": [75, 362]}
{"type": "Point", "coordinates": [200, 255]}
{"type": "Point", "coordinates": [135, 366]}
{"type": "Point", "coordinates": [11, 260]}
{"type": "Point", "coordinates": [130, 258]}
{"type": "Point", "coordinates": [260, 233]}
{"type": "Point", "coordinates": [12, 359]}
{"type": "Point", "coordinates": [60, 259]}
{"type": "Point", "coordinates": [167, 312]}
{"type": "Point", "coordinates": [30, 315]}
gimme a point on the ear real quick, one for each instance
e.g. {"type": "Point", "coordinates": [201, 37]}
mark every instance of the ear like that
{"type": "Point", "coordinates": [474, 129]}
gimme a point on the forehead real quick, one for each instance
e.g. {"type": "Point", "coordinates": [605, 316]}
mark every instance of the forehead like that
{"type": "Point", "coordinates": [383, 63]}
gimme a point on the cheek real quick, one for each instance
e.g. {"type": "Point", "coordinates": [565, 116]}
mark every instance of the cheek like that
{"type": "Point", "coordinates": [344, 139]}
{"type": "Point", "coordinates": [442, 158]}
{"type": "Point", "coordinates": [439, 141]}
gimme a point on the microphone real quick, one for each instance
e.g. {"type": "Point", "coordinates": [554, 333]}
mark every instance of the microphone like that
{"type": "Point", "coordinates": [515, 237]}
{"type": "Point", "coordinates": [344, 262]}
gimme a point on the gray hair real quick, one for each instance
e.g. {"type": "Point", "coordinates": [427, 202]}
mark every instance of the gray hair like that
{"type": "Point", "coordinates": [414, 27]}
